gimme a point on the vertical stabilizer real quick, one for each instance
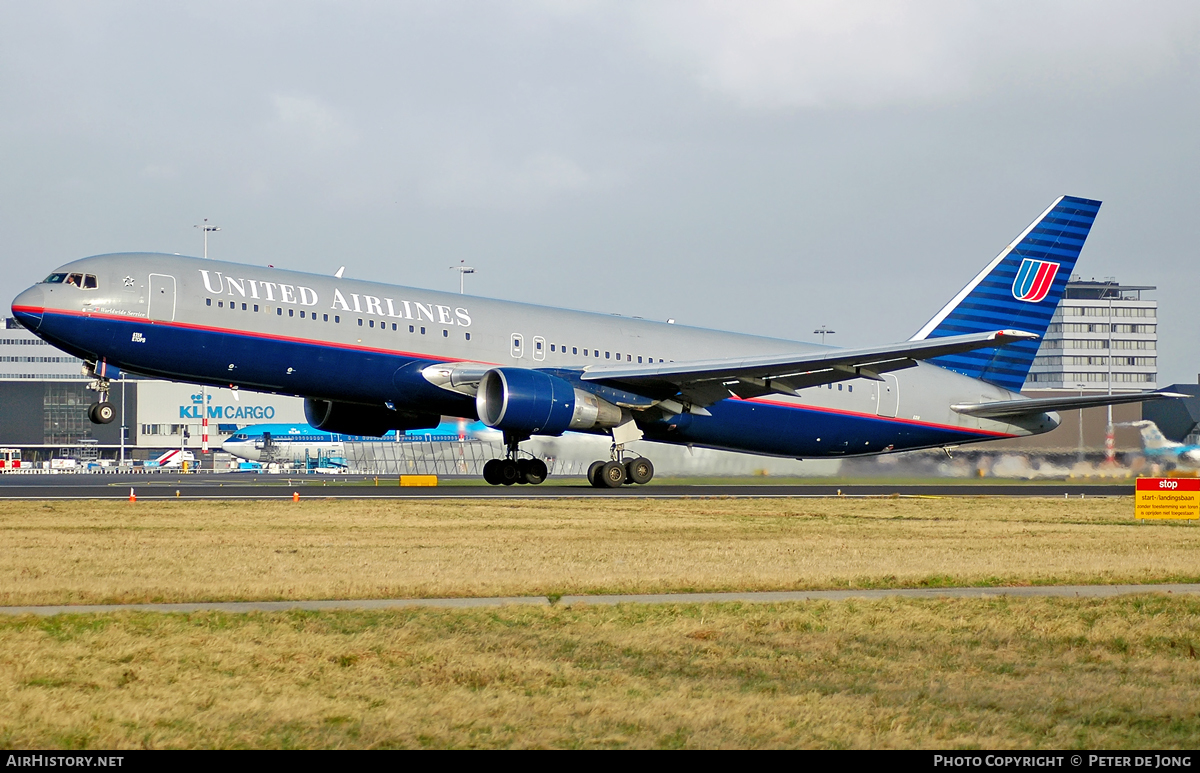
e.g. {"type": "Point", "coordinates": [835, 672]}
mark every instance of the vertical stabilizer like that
{"type": "Point", "coordinates": [1018, 290]}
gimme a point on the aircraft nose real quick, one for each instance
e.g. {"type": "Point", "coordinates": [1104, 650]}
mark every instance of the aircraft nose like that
{"type": "Point", "coordinates": [28, 307]}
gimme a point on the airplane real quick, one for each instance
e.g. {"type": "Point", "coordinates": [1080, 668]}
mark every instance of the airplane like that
{"type": "Point", "coordinates": [301, 442]}
{"type": "Point", "coordinates": [369, 357]}
{"type": "Point", "coordinates": [1156, 445]}
{"type": "Point", "coordinates": [174, 458]}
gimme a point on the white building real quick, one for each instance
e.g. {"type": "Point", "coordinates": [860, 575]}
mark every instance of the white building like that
{"type": "Point", "coordinates": [1102, 334]}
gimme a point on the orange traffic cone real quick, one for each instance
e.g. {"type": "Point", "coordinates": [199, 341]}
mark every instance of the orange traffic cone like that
{"type": "Point", "coordinates": [132, 496]}
{"type": "Point", "coordinates": [295, 496]}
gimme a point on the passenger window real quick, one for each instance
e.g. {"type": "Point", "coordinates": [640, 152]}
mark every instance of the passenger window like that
{"type": "Point", "coordinates": [575, 350]}
{"type": "Point", "coordinates": [596, 352]}
{"type": "Point", "coordinates": [208, 301]}
{"type": "Point", "coordinates": [422, 331]}
{"type": "Point", "coordinates": [278, 310]}
{"type": "Point", "coordinates": [220, 304]}
{"type": "Point", "coordinates": [325, 316]}
{"type": "Point", "coordinates": [412, 329]}
{"type": "Point", "coordinates": [639, 359]}
{"type": "Point", "coordinates": [468, 336]}
{"type": "Point", "coordinates": [445, 333]}
{"type": "Point", "coordinates": [243, 307]}
{"type": "Point", "coordinates": [585, 352]}
{"type": "Point", "coordinates": [551, 347]}
{"type": "Point", "coordinates": [301, 313]}
{"type": "Point", "coordinates": [372, 323]}
{"type": "Point", "coordinates": [360, 323]}
{"type": "Point", "coordinates": [393, 326]}
{"type": "Point", "coordinates": [256, 308]}
{"type": "Point", "coordinates": [608, 355]}
{"type": "Point", "coordinates": [291, 312]}
{"type": "Point", "coordinates": [337, 319]}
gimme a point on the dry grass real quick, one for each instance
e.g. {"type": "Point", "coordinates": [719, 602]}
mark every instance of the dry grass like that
{"type": "Point", "coordinates": [89, 552]}
{"type": "Point", "coordinates": [1017, 673]}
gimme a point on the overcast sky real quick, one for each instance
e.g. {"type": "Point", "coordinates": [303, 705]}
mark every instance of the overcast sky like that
{"type": "Point", "coordinates": [763, 167]}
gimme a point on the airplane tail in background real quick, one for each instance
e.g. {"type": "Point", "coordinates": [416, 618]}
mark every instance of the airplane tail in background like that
{"type": "Point", "coordinates": [1018, 290]}
{"type": "Point", "coordinates": [1152, 438]}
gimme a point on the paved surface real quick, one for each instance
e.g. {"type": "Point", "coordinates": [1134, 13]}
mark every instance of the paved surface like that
{"type": "Point", "coordinates": [250, 486]}
{"type": "Point", "coordinates": [1057, 591]}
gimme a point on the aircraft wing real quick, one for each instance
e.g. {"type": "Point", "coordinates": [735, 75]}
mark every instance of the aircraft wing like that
{"type": "Point", "coordinates": [1006, 408]}
{"type": "Point", "coordinates": [704, 382]}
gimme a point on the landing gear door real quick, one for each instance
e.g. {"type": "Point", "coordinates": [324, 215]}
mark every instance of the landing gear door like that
{"type": "Point", "coordinates": [161, 303]}
{"type": "Point", "coordinates": [888, 391]}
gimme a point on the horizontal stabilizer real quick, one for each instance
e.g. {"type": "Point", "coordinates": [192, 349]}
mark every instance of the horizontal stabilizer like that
{"type": "Point", "coordinates": [1006, 408]}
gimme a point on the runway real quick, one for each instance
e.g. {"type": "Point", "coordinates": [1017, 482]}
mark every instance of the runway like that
{"type": "Point", "coordinates": [250, 486]}
{"type": "Point", "coordinates": [767, 597]}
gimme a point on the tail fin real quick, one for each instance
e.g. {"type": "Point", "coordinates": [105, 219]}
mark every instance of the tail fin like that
{"type": "Point", "coordinates": [1018, 290]}
{"type": "Point", "coordinates": [1152, 437]}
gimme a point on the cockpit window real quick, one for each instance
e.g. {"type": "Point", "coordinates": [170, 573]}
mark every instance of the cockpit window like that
{"type": "Point", "coordinates": [54, 279]}
{"type": "Point", "coordinates": [82, 281]}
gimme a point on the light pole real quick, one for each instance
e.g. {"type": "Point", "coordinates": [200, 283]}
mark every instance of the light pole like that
{"type": "Point", "coordinates": [1110, 441]}
{"type": "Point", "coordinates": [1081, 386]}
{"type": "Point", "coordinates": [124, 428]}
{"type": "Point", "coordinates": [823, 331]}
{"type": "Point", "coordinates": [207, 229]}
{"type": "Point", "coordinates": [462, 270]}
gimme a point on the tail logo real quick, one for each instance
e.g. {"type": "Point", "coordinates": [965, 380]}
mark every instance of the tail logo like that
{"type": "Point", "coordinates": [1034, 280]}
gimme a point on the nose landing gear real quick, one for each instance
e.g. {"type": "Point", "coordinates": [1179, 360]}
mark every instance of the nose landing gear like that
{"type": "Point", "coordinates": [101, 411]}
{"type": "Point", "coordinates": [514, 468]}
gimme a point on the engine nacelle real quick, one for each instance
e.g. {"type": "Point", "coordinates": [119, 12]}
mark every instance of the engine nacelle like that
{"type": "Point", "coordinates": [529, 402]}
{"type": "Point", "coordinates": [371, 420]}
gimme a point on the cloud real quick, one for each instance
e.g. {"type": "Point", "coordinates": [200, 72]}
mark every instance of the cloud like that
{"type": "Point", "coordinates": [773, 54]}
{"type": "Point", "coordinates": [472, 179]}
{"type": "Point", "coordinates": [311, 121]}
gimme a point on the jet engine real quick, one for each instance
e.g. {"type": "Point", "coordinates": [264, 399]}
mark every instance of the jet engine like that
{"type": "Point", "coordinates": [529, 402]}
{"type": "Point", "coordinates": [371, 420]}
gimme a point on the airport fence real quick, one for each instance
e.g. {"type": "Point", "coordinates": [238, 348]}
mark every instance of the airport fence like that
{"type": "Point", "coordinates": [463, 457]}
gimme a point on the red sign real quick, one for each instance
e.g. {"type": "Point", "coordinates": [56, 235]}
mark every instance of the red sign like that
{"type": "Point", "coordinates": [1168, 484]}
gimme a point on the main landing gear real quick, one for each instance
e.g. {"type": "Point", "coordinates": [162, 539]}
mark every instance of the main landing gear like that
{"type": "Point", "coordinates": [102, 411]}
{"type": "Point", "coordinates": [617, 471]}
{"type": "Point", "coordinates": [514, 468]}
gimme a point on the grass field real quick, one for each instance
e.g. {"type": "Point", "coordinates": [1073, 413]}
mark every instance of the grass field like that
{"type": "Point", "coordinates": [89, 552]}
{"type": "Point", "coordinates": [997, 673]}
{"type": "Point", "coordinates": [1028, 673]}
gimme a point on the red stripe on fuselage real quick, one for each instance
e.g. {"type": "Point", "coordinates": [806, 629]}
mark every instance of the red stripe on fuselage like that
{"type": "Point", "coordinates": [877, 417]}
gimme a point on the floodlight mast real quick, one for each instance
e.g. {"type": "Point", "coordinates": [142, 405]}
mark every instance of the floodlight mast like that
{"type": "Point", "coordinates": [462, 270]}
{"type": "Point", "coordinates": [206, 228]}
{"type": "Point", "coordinates": [823, 331]}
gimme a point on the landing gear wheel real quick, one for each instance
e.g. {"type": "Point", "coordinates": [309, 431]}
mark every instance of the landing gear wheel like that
{"type": "Point", "coordinates": [509, 472]}
{"type": "Point", "coordinates": [593, 469]}
{"type": "Point", "coordinates": [611, 475]}
{"type": "Point", "coordinates": [491, 472]}
{"type": "Point", "coordinates": [533, 471]}
{"type": "Point", "coordinates": [101, 413]}
{"type": "Point", "coordinates": [639, 470]}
